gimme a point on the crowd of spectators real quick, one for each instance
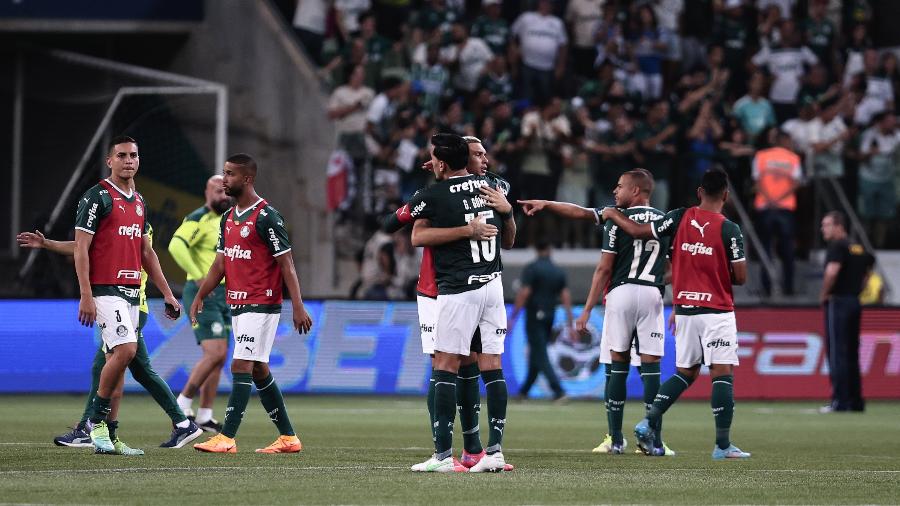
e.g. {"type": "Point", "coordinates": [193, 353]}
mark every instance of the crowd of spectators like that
{"type": "Point", "coordinates": [566, 95]}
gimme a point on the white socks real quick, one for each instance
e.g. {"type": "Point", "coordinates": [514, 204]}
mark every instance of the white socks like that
{"type": "Point", "coordinates": [183, 424]}
{"type": "Point", "coordinates": [185, 404]}
{"type": "Point", "coordinates": [203, 415]}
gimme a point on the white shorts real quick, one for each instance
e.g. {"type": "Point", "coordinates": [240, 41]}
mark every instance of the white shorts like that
{"type": "Point", "coordinates": [705, 339]}
{"type": "Point", "coordinates": [635, 311]}
{"type": "Point", "coordinates": [428, 311]}
{"type": "Point", "coordinates": [117, 320]}
{"type": "Point", "coordinates": [254, 334]}
{"type": "Point", "coordinates": [606, 355]}
{"type": "Point", "coordinates": [459, 314]}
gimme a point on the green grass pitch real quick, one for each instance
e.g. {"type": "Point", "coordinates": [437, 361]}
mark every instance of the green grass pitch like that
{"type": "Point", "coordinates": [357, 450]}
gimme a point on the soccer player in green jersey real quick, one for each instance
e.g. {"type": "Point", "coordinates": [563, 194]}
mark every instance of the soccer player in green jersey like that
{"type": "Point", "coordinates": [193, 246]}
{"type": "Point", "coordinates": [631, 273]}
{"type": "Point", "coordinates": [704, 268]}
{"type": "Point", "coordinates": [470, 292]}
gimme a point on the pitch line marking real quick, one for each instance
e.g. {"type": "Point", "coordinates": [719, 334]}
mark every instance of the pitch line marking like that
{"type": "Point", "coordinates": [205, 468]}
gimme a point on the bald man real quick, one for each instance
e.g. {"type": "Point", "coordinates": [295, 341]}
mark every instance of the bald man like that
{"type": "Point", "coordinates": [193, 247]}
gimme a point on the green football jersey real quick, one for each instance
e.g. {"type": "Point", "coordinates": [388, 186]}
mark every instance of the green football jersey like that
{"type": "Point", "coordinates": [462, 265]}
{"type": "Point", "coordinates": [638, 261]}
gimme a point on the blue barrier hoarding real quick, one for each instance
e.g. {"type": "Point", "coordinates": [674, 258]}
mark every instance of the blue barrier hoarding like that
{"type": "Point", "coordinates": [355, 348]}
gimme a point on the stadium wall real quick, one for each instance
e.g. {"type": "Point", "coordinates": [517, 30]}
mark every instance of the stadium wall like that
{"type": "Point", "coordinates": [374, 348]}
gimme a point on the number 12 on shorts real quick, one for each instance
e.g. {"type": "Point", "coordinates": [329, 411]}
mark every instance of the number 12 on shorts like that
{"type": "Point", "coordinates": [487, 250]}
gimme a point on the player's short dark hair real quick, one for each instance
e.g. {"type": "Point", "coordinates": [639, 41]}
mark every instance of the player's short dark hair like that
{"type": "Point", "coordinates": [451, 149]}
{"type": "Point", "coordinates": [244, 160]}
{"type": "Point", "coordinates": [838, 218]}
{"type": "Point", "coordinates": [714, 182]}
{"type": "Point", "coordinates": [642, 178]}
{"type": "Point", "coordinates": [120, 139]}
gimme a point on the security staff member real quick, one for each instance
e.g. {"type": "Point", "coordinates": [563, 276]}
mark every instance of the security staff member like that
{"type": "Point", "coordinates": [847, 265]}
{"type": "Point", "coordinates": [543, 287]}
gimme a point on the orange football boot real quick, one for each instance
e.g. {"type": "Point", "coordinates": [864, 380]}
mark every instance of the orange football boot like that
{"type": "Point", "coordinates": [284, 444]}
{"type": "Point", "coordinates": [220, 443]}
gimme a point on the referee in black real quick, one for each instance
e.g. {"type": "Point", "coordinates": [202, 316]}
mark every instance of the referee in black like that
{"type": "Point", "coordinates": [847, 265]}
{"type": "Point", "coordinates": [543, 287]}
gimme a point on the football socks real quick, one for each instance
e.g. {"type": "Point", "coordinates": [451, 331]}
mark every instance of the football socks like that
{"type": "Point", "coordinates": [468, 402]}
{"type": "Point", "coordinates": [616, 402]}
{"type": "Point", "coordinates": [273, 402]}
{"type": "Point", "coordinates": [497, 396]}
{"type": "Point", "coordinates": [237, 402]}
{"type": "Point", "coordinates": [444, 412]}
{"type": "Point", "coordinates": [668, 394]}
{"type": "Point", "coordinates": [722, 401]}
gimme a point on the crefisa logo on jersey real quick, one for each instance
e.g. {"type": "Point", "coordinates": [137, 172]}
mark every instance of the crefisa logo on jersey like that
{"type": "Point", "coordinates": [131, 231]}
{"type": "Point", "coordinates": [92, 215]}
{"type": "Point", "coordinates": [735, 250]}
{"type": "Point", "coordinates": [468, 185]}
{"type": "Point", "coordinates": [244, 338]}
{"type": "Point", "coordinates": [718, 343]}
{"type": "Point", "coordinates": [697, 248]}
{"type": "Point", "coordinates": [274, 240]}
{"type": "Point", "coordinates": [245, 232]}
{"type": "Point", "coordinates": [237, 253]}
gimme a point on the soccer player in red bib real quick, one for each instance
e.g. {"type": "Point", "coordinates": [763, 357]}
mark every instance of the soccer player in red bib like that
{"type": "Point", "coordinates": [707, 259]}
{"type": "Point", "coordinates": [111, 248]}
{"type": "Point", "coordinates": [253, 255]}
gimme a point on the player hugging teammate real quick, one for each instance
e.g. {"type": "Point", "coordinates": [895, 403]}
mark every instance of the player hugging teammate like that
{"type": "Point", "coordinates": [460, 218]}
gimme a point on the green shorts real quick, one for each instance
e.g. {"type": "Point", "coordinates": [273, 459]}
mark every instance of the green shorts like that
{"type": "Point", "coordinates": [214, 322]}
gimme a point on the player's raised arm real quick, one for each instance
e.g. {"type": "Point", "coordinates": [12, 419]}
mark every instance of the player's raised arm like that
{"type": "Point", "coordinates": [634, 229]}
{"type": "Point", "coordinates": [150, 262]}
{"type": "Point", "coordinates": [397, 220]}
{"type": "Point", "coordinates": [36, 240]}
{"type": "Point", "coordinates": [564, 209]}
{"type": "Point", "coordinates": [302, 322]}
{"type": "Point", "coordinates": [424, 234]}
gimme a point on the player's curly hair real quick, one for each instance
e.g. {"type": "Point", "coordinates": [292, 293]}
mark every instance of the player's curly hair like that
{"type": "Point", "coordinates": [451, 149]}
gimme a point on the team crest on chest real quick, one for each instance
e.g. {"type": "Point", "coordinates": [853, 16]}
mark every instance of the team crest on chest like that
{"type": "Point", "coordinates": [245, 231]}
{"type": "Point", "coordinates": [139, 210]}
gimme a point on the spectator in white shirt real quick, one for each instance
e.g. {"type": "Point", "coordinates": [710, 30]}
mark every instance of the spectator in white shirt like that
{"type": "Point", "coordinates": [542, 46]}
{"type": "Point", "coordinates": [879, 95]}
{"type": "Point", "coordinates": [827, 137]}
{"type": "Point", "coordinates": [466, 57]}
{"type": "Point", "coordinates": [786, 62]}
{"type": "Point", "coordinates": [800, 128]}
{"type": "Point", "coordinates": [309, 25]}
{"type": "Point", "coordinates": [879, 148]}
{"type": "Point", "coordinates": [583, 18]}
{"type": "Point", "coordinates": [347, 107]}
{"type": "Point", "coordinates": [348, 12]}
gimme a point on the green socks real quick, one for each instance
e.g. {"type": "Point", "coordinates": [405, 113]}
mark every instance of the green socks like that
{"type": "Point", "coordinates": [96, 369]}
{"type": "Point", "coordinates": [650, 377]}
{"type": "Point", "coordinates": [468, 402]}
{"type": "Point", "coordinates": [273, 402]}
{"type": "Point", "coordinates": [237, 402]}
{"type": "Point", "coordinates": [616, 400]}
{"type": "Point", "coordinates": [722, 401]}
{"type": "Point", "coordinates": [430, 401]}
{"type": "Point", "coordinates": [497, 394]}
{"type": "Point", "coordinates": [444, 412]}
{"type": "Point", "coordinates": [668, 394]}
{"type": "Point", "coordinates": [608, 369]}
{"type": "Point", "coordinates": [157, 387]}
{"type": "Point", "coordinates": [100, 409]}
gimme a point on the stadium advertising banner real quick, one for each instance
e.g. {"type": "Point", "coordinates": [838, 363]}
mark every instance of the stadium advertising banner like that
{"type": "Point", "coordinates": [374, 348]}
